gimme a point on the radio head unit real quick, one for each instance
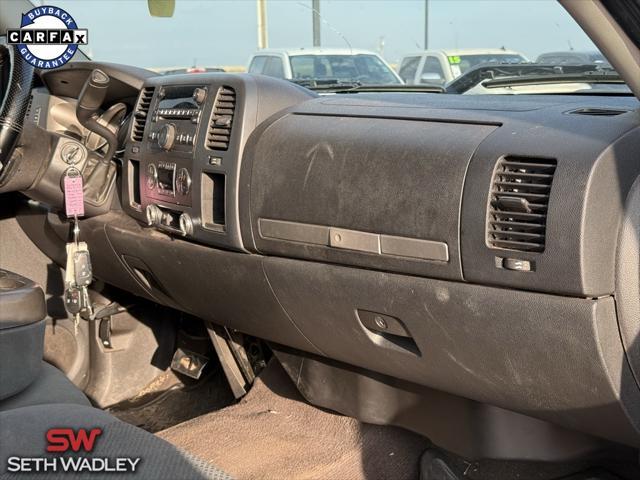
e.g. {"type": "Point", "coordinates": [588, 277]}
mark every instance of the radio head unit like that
{"type": "Point", "coordinates": [180, 102]}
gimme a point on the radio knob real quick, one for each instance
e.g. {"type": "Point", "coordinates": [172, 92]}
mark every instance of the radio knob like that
{"type": "Point", "coordinates": [154, 214]}
{"type": "Point", "coordinates": [167, 136]}
{"type": "Point", "coordinates": [199, 94]}
{"type": "Point", "coordinates": [186, 225]}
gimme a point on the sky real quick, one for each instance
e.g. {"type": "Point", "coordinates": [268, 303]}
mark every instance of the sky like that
{"type": "Point", "coordinates": [224, 32]}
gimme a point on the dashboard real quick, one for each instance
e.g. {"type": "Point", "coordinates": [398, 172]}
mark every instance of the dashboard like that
{"type": "Point", "coordinates": [485, 246]}
{"type": "Point", "coordinates": [184, 153]}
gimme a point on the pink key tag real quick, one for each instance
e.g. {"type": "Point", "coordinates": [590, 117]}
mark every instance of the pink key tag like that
{"type": "Point", "coordinates": [73, 196]}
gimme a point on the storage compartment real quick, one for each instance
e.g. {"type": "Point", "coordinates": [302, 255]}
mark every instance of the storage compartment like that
{"type": "Point", "coordinates": [373, 192]}
{"type": "Point", "coordinates": [22, 312]}
{"type": "Point", "coordinates": [556, 358]}
{"type": "Point", "coordinates": [213, 200]}
{"type": "Point", "coordinates": [134, 183]}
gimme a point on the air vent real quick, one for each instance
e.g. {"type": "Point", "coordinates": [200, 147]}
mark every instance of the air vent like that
{"type": "Point", "coordinates": [141, 113]}
{"type": "Point", "coordinates": [599, 112]}
{"type": "Point", "coordinates": [221, 119]}
{"type": "Point", "coordinates": [517, 212]}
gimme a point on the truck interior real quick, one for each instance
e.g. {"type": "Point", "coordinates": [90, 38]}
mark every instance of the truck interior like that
{"type": "Point", "coordinates": [286, 284]}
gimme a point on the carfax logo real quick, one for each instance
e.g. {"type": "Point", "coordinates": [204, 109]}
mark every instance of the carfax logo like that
{"type": "Point", "coordinates": [48, 37]}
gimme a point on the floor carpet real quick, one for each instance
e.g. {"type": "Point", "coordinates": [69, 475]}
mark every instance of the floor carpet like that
{"type": "Point", "coordinates": [272, 433]}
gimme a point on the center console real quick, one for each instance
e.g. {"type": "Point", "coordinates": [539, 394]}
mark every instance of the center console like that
{"type": "Point", "coordinates": [184, 151]}
{"type": "Point", "coordinates": [22, 313]}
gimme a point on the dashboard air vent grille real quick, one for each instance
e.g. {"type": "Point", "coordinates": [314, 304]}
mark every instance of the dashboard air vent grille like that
{"type": "Point", "coordinates": [141, 113]}
{"type": "Point", "coordinates": [517, 211]}
{"type": "Point", "coordinates": [221, 119]}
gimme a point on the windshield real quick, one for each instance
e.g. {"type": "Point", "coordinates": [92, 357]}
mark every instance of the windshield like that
{"type": "Point", "coordinates": [347, 42]}
{"type": "Point", "coordinates": [366, 69]}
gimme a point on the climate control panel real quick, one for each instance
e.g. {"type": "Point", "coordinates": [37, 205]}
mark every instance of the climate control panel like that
{"type": "Point", "coordinates": [168, 182]}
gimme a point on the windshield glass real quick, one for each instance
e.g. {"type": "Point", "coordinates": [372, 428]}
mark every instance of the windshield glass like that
{"type": "Point", "coordinates": [366, 69]}
{"type": "Point", "coordinates": [382, 42]}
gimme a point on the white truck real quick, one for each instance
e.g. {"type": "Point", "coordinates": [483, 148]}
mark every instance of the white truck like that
{"type": "Point", "coordinates": [313, 64]}
{"type": "Point", "coordinates": [438, 67]}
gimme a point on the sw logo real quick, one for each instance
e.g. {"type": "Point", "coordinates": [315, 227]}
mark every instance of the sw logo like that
{"type": "Point", "coordinates": [65, 445]}
{"type": "Point", "coordinates": [65, 439]}
{"type": "Point", "coordinates": [48, 37]}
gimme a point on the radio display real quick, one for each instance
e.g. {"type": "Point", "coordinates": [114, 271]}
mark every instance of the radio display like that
{"type": "Point", "coordinates": [180, 97]}
{"type": "Point", "coordinates": [166, 178]}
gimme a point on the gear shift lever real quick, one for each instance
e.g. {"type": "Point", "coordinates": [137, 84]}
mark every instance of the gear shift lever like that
{"type": "Point", "coordinates": [94, 91]}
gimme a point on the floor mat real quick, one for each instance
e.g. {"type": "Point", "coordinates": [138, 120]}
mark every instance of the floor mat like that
{"type": "Point", "coordinates": [172, 399]}
{"type": "Point", "coordinates": [272, 433]}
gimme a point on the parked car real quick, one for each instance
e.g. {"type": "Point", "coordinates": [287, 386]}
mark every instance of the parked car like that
{"type": "Point", "coordinates": [341, 65]}
{"type": "Point", "coordinates": [571, 57]}
{"type": "Point", "coordinates": [181, 70]}
{"type": "Point", "coordinates": [441, 66]}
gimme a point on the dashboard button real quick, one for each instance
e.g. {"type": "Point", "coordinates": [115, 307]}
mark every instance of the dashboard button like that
{"type": "Point", "coordinates": [516, 264]}
{"type": "Point", "coordinates": [215, 161]}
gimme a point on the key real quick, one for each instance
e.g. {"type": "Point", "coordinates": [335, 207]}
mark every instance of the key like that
{"type": "Point", "coordinates": [73, 304]}
{"type": "Point", "coordinates": [73, 300]}
{"type": "Point", "coordinates": [77, 277]}
{"type": "Point", "coordinates": [78, 272]}
{"type": "Point", "coordinates": [86, 311]}
{"type": "Point", "coordinates": [82, 272]}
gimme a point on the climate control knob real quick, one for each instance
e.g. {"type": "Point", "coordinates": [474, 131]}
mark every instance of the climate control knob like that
{"type": "Point", "coordinates": [154, 214]}
{"type": "Point", "coordinates": [186, 225]}
{"type": "Point", "coordinates": [152, 176]}
{"type": "Point", "coordinates": [183, 181]}
{"type": "Point", "coordinates": [167, 136]}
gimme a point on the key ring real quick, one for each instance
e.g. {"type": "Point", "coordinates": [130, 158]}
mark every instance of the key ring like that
{"type": "Point", "coordinates": [76, 230]}
{"type": "Point", "coordinates": [72, 171]}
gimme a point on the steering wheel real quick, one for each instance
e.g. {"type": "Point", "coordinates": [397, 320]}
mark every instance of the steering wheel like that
{"type": "Point", "coordinates": [14, 104]}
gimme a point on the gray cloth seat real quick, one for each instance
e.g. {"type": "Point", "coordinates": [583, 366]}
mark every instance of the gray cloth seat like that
{"type": "Point", "coordinates": [50, 386]}
{"type": "Point", "coordinates": [23, 434]}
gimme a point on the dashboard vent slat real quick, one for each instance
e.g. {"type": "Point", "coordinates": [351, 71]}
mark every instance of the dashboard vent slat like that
{"type": "Point", "coordinates": [219, 134]}
{"type": "Point", "coordinates": [519, 202]}
{"type": "Point", "coordinates": [140, 114]}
